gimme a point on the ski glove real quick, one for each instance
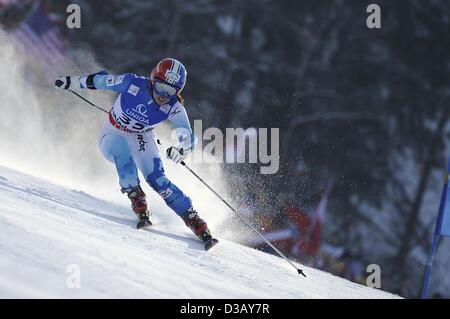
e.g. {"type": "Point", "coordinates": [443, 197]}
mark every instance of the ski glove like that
{"type": "Point", "coordinates": [67, 82]}
{"type": "Point", "coordinates": [177, 154]}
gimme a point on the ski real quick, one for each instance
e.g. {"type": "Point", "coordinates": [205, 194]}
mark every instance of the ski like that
{"type": "Point", "coordinates": [211, 243]}
{"type": "Point", "coordinates": [143, 223]}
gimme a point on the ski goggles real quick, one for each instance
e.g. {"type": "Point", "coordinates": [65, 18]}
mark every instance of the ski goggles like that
{"type": "Point", "coordinates": [164, 89]}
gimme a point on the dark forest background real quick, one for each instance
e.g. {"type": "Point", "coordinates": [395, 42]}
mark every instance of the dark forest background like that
{"type": "Point", "coordinates": [364, 108]}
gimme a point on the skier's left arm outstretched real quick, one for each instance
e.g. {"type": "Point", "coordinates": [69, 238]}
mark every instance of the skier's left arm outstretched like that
{"type": "Point", "coordinates": [97, 81]}
{"type": "Point", "coordinates": [119, 83]}
{"type": "Point", "coordinates": [182, 129]}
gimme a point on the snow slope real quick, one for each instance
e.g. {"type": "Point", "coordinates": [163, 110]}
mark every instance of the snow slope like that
{"type": "Point", "coordinates": [45, 229]}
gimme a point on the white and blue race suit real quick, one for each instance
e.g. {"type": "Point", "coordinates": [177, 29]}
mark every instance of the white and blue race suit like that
{"type": "Point", "coordinates": [127, 138]}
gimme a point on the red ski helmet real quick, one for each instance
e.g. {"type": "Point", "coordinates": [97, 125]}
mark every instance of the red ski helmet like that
{"type": "Point", "coordinates": [168, 77]}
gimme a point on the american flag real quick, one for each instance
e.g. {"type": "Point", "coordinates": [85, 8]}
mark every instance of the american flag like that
{"type": "Point", "coordinates": [41, 39]}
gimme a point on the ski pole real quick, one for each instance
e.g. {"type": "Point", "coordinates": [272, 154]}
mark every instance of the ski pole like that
{"type": "Point", "coordinates": [98, 107]}
{"type": "Point", "coordinates": [300, 272]}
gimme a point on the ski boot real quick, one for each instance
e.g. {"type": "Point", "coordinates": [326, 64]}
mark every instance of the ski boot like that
{"type": "Point", "coordinates": [199, 228]}
{"type": "Point", "coordinates": [139, 206]}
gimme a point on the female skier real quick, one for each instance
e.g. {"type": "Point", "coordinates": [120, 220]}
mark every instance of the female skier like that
{"type": "Point", "coordinates": [128, 140]}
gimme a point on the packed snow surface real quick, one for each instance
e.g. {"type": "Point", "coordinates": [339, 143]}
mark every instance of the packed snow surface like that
{"type": "Point", "coordinates": [56, 242]}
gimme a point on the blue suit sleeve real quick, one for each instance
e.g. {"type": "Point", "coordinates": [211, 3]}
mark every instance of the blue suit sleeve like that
{"type": "Point", "coordinates": [117, 83]}
{"type": "Point", "coordinates": [104, 81]}
{"type": "Point", "coordinates": [180, 122]}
